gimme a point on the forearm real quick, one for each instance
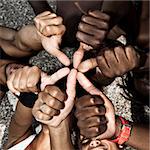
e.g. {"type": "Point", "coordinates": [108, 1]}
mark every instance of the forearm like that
{"type": "Point", "coordinates": [27, 39]}
{"type": "Point", "coordinates": [60, 137]}
{"type": "Point", "coordinates": [117, 10]}
{"type": "Point", "coordinates": [3, 64]}
{"type": "Point", "coordinates": [40, 6]}
{"type": "Point", "coordinates": [11, 50]}
{"type": "Point", "coordinates": [20, 124]}
{"type": "Point", "coordinates": [7, 33]}
{"type": "Point", "coordinates": [139, 138]}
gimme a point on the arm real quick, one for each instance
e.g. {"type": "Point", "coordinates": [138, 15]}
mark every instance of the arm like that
{"type": "Point", "coordinates": [57, 142]}
{"type": "Point", "coordinates": [7, 33]}
{"type": "Point", "coordinates": [21, 43]}
{"type": "Point", "coordinates": [49, 104]}
{"type": "Point", "coordinates": [20, 124]}
{"type": "Point", "coordinates": [139, 138]}
{"type": "Point", "coordinates": [40, 6]}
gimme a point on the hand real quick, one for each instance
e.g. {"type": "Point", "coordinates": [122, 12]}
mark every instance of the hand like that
{"type": "Point", "coordinates": [71, 92]}
{"type": "Point", "coordinates": [51, 30]}
{"type": "Point", "coordinates": [90, 112]}
{"type": "Point", "coordinates": [48, 104]}
{"type": "Point", "coordinates": [24, 80]}
{"type": "Point", "coordinates": [118, 61]}
{"type": "Point", "coordinates": [49, 24]}
{"type": "Point", "coordinates": [93, 28]}
{"type": "Point", "coordinates": [110, 114]}
{"type": "Point", "coordinates": [112, 62]}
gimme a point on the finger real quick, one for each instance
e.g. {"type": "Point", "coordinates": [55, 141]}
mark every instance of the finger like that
{"type": "Point", "coordinates": [55, 92]}
{"type": "Point", "coordinates": [92, 122]}
{"type": "Point", "coordinates": [50, 80]}
{"type": "Point", "coordinates": [45, 13]}
{"type": "Point", "coordinates": [88, 100]}
{"type": "Point", "coordinates": [93, 131]}
{"type": "Point", "coordinates": [89, 87]}
{"type": "Point", "coordinates": [10, 85]}
{"type": "Point", "coordinates": [77, 57]}
{"type": "Point", "coordinates": [87, 65]}
{"type": "Point", "coordinates": [88, 39]}
{"type": "Point", "coordinates": [52, 102]}
{"type": "Point", "coordinates": [69, 103]}
{"type": "Point", "coordinates": [16, 80]}
{"type": "Point", "coordinates": [37, 19]}
{"type": "Point", "coordinates": [112, 62]}
{"type": "Point", "coordinates": [132, 56]}
{"type": "Point", "coordinates": [54, 30]}
{"type": "Point", "coordinates": [41, 116]}
{"type": "Point", "coordinates": [88, 112]}
{"type": "Point", "coordinates": [95, 22]}
{"type": "Point", "coordinates": [33, 78]}
{"type": "Point", "coordinates": [71, 83]}
{"type": "Point", "coordinates": [52, 21]}
{"type": "Point", "coordinates": [86, 84]}
{"type": "Point", "coordinates": [92, 30]}
{"type": "Point", "coordinates": [99, 14]}
{"type": "Point", "coordinates": [52, 46]}
{"type": "Point", "coordinates": [104, 67]}
{"type": "Point", "coordinates": [49, 111]}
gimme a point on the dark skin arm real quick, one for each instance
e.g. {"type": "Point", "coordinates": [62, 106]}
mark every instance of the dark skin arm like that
{"type": "Point", "coordinates": [139, 138]}
{"type": "Point", "coordinates": [20, 124]}
{"type": "Point", "coordinates": [42, 6]}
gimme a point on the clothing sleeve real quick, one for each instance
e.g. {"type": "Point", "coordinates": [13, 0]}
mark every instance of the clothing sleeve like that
{"type": "Point", "coordinates": [28, 99]}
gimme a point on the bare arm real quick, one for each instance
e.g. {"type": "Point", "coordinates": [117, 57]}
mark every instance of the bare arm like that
{"type": "Point", "coordinates": [139, 138]}
{"type": "Point", "coordinates": [57, 142]}
{"type": "Point", "coordinates": [20, 124]}
{"type": "Point", "coordinates": [21, 43]}
{"type": "Point", "coordinates": [27, 38]}
{"type": "Point", "coordinates": [3, 64]}
{"type": "Point", "coordinates": [7, 33]}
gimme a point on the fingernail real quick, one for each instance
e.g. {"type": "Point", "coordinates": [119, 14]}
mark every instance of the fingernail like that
{"type": "Point", "coordinates": [17, 93]}
{"type": "Point", "coordinates": [92, 100]}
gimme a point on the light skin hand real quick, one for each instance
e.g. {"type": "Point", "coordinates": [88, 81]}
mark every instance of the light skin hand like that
{"type": "Point", "coordinates": [51, 30]}
{"type": "Point", "coordinates": [24, 80]}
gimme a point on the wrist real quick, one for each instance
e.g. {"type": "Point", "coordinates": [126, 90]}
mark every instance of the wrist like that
{"type": "Point", "coordinates": [12, 67]}
{"type": "Point", "coordinates": [122, 133]}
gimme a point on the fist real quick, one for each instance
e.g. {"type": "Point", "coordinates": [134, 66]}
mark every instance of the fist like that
{"type": "Point", "coordinates": [93, 28]}
{"type": "Point", "coordinates": [48, 104]}
{"type": "Point", "coordinates": [49, 24]}
{"type": "Point", "coordinates": [24, 80]}
{"type": "Point", "coordinates": [90, 112]}
{"type": "Point", "coordinates": [118, 61]}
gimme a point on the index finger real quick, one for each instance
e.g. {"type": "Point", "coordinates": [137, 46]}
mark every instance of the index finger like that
{"type": "Point", "coordinates": [55, 92]}
{"type": "Point", "coordinates": [52, 79]}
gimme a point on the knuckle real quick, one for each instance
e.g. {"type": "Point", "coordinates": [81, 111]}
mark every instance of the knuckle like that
{"type": "Point", "coordinates": [84, 18]}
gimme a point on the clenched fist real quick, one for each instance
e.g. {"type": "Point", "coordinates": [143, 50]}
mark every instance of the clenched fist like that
{"type": "Point", "coordinates": [90, 112]}
{"type": "Point", "coordinates": [48, 104]}
{"type": "Point", "coordinates": [93, 28]}
{"type": "Point", "coordinates": [117, 61]}
{"type": "Point", "coordinates": [51, 30]}
{"type": "Point", "coordinates": [24, 80]}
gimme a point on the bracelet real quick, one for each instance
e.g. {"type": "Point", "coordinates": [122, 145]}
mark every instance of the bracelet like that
{"type": "Point", "coordinates": [124, 133]}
